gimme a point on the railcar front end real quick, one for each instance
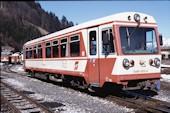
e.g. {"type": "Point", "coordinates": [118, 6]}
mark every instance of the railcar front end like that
{"type": "Point", "coordinates": [137, 65]}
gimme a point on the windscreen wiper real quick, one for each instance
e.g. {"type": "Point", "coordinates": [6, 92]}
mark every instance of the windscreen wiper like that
{"type": "Point", "coordinates": [129, 34]}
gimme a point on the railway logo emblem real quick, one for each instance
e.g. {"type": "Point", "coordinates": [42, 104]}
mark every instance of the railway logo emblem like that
{"type": "Point", "coordinates": [76, 65]}
{"type": "Point", "coordinates": [142, 63]}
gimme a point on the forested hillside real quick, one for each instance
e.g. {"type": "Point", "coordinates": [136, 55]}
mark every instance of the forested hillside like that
{"type": "Point", "coordinates": [23, 21]}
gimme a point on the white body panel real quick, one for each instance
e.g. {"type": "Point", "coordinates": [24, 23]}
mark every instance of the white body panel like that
{"type": "Point", "coordinates": [55, 64]}
{"type": "Point", "coordinates": [118, 68]}
{"type": "Point", "coordinates": [15, 58]}
{"type": "Point", "coordinates": [15, 54]}
{"type": "Point", "coordinates": [121, 17]}
{"type": "Point", "coordinates": [84, 33]}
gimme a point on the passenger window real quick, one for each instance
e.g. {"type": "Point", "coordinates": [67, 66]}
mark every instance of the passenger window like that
{"type": "Point", "coordinates": [35, 51]}
{"type": "Point", "coordinates": [55, 48]}
{"type": "Point", "coordinates": [39, 51]}
{"type": "Point", "coordinates": [75, 46]}
{"type": "Point", "coordinates": [30, 52]}
{"type": "Point", "coordinates": [109, 48]}
{"type": "Point", "coordinates": [48, 50]}
{"type": "Point", "coordinates": [92, 36]}
{"type": "Point", "coordinates": [64, 47]}
{"type": "Point", "coordinates": [27, 53]}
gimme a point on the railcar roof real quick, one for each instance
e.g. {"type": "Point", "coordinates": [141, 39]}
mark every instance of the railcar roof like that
{"type": "Point", "coordinates": [116, 17]}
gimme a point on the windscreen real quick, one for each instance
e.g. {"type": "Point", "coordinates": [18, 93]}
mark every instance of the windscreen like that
{"type": "Point", "coordinates": [136, 40]}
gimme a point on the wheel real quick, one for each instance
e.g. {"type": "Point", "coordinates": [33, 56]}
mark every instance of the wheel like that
{"type": "Point", "coordinates": [32, 73]}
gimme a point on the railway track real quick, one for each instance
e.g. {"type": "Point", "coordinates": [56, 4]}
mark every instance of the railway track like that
{"type": "Point", "coordinates": [7, 68]}
{"type": "Point", "coordinates": [13, 101]}
{"type": "Point", "coordinates": [141, 103]}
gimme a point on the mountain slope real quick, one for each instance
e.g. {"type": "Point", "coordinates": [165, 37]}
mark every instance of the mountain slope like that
{"type": "Point", "coordinates": [23, 21]}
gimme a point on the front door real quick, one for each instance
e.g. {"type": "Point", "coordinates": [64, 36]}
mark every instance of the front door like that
{"type": "Point", "coordinates": [93, 61]}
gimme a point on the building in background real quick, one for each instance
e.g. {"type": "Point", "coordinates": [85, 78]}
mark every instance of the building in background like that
{"type": "Point", "coordinates": [6, 51]}
{"type": "Point", "coordinates": [165, 51]}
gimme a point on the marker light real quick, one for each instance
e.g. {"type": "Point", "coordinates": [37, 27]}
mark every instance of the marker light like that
{"type": "Point", "coordinates": [132, 62]}
{"type": "Point", "coordinates": [137, 17]}
{"type": "Point", "coordinates": [145, 19]}
{"type": "Point", "coordinates": [129, 18]}
{"type": "Point", "coordinates": [157, 62]}
{"type": "Point", "coordinates": [126, 63]}
{"type": "Point", "coordinates": [150, 61]}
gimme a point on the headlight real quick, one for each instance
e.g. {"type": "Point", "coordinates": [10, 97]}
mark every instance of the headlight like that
{"type": "Point", "coordinates": [126, 63]}
{"type": "Point", "coordinates": [157, 62]}
{"type": "Point", "coordinates": [137, 17]}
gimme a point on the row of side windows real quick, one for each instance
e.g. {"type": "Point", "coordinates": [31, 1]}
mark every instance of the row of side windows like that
{"type": "Point", "coordinates": [52, 50]}
{"type": "Point", "coordinates": [35, 52]}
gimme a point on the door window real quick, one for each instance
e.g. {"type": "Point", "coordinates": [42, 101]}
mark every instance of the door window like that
{"type": "Point", "coordinates": [92, 36]}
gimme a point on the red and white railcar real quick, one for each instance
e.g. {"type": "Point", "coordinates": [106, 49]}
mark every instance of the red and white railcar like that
{"type": "Point", "coordinates": [16, 58]}
{"type": "Point", "coordinates": [121, 49]}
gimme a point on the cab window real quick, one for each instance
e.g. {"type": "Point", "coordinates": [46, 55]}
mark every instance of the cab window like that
{"type": "Point", "coordinates": [108, 48]}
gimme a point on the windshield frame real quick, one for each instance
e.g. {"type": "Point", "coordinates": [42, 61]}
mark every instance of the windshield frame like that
{"type": "Point", "coordinates": [132, 26]}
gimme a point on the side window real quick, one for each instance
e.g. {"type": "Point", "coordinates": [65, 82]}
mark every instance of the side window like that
{"type": "Point", "coordinates": [64, 47]}
{"type": "Point", "coordinates": [35, 51]}
{"type": "Point", "coordinates": [30, 52]}
{"type": "Point", "coordinates": [151, 40]}
{"type": "Point", "coordinates": [27, 53]}
{"type": "Point", "coordinates": [108, 48]}
{"type": "Point", "coordinates": [55, 48]}
{"type": "Point", "coordinates": [39, 51]}
{"type": "Point", "coordinates": [48, 50]}
{"type": "Point", "coordinates": [75, 45]}
{"type": "Point", "coordinates": [92, 46]}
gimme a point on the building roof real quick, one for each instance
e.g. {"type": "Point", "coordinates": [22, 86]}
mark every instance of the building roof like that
{"type": "Point", "coordinates": [165, 48]}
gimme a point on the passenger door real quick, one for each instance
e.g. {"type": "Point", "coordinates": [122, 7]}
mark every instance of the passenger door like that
{"type": "Point", "coordinates": [93, 55]}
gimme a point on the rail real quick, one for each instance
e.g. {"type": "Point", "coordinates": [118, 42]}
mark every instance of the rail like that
{"type": "Point", "coordinates": [141, 103]}
{"type": "Point", "coordinates": [18, 101]}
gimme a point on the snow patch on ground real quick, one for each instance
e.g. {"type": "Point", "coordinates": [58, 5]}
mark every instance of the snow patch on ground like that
{"type": "Point", "coordinates": [41, 96]}
{"type": "Point", "coordinates": [17, 84]}
{"type": "Point", "coordinates": [20, 69]}
{"type": "Point", "coordinates": [163, 96]}
{"type": "Point", "coordinates": [17, 68]}
{"type": "Point", "coordinates": [165, 77]}
{"type": "Point", "coordinates": [1, 64]}
{"type": "Point", "coordinates": [73, 101]}
{"type": "Point", "coordinates": [14, 82]}
{"type": "Point", "coordinates": [70, 109]}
